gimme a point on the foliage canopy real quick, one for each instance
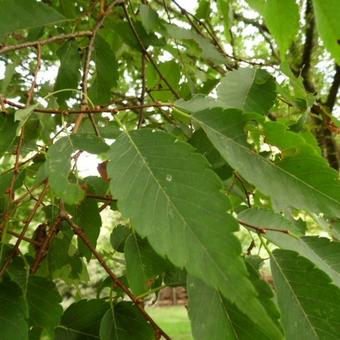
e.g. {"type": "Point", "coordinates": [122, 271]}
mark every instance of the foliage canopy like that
{"type": "Point", "coordinates": [216, 136]}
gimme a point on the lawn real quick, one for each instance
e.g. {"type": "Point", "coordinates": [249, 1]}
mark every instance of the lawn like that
{"type": "Point", "coordinates": [174, 320]}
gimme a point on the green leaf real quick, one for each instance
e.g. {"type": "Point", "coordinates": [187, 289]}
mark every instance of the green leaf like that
{"type": "Point", "coordinates": [282, 19]}
{"type": "Point", "coordinates": [96, 185]}
{"type": "Point", "coordinates": [59, 166]}
{"type": "Point", "coordinates": [106, 74]}
{"type": "Point", "coordinates": [67, 8]}
{"type": "Point", "coordinates": [304, 182]}
{"type": "Point", "coordinates": [13, 325]}
{"type": "Point", "coordinates": [203, 10]}
{"type": "Point", "coordinates": [224, 8]}
{"type": "Point", "coordinates": [171, 72]}
{"type": "Point", "coordinates": [6, 180]}
{"type": "Point", "coordinates": [135, 267]}
{"type": "Point", "coordinates": [209, 51]}
{"type": "Point", "coordinates": [247, 89]}
{"type": "Point", "coordinates": [198, 103]}
{"type": "Point", "coordinates": [142, 264]}
{"type": "Point", "coordinates": [9, 73]}
{"type": "Point", "coordinates": [321, 251]}
{"type": "Point", "coordinates": [125, 322]}
{"type": "Point", "coordinates": [118, 237]}
{"type": "Point", "coordinates": [58, 259]}
{"type": "Point", "coordinates": [150, 19]}
{"type": "Point", "coordinates": [127, 36]}
{"type": "Point", "coordinates": [69, 71]}
{"type": "Point", "coordinates": [81, 321]}
{"type": "Point", "coordinates": [257, 5]}
{"type": "Point", "coordinates": [18, 271]}
{"type": "Point", "coordinates": [23, 115]}
{"type": "Point", "coordinates": [219, 319]}
{"type": "Point", "coordinates": [87, 216]}
{"type": "Point", "coordinates": [89, 143]}
{"type": "Point", "coordinates": [309, 303]}
{"type": "Point", "coordinates": [175, 277]}
{"type": "Point", "coordinates": [22, 14]}
{"type": "Point", "coordinates": [8, 129]}
{"type": "Point", "coordinates": [201, 142]}
{"type": "Point", "coordinates": [327, 14]}
{"type": "Point", "coordinates": [150, 166]}
{"type": "Point", "coordinates": [43, 303]}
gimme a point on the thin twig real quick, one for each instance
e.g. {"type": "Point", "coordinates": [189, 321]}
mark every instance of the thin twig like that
{"type": "Point", "coordinates": [43, 248]}
{"type": "Point", "coordinates": [105, 198]}
{"type": "Point", "coordinates": [88, 110]}
{"type": "Point", "coordinates": [30, 94]}
{"type": "Point", "coordinates": [5, 49]}
{"type": "Point", "coordinates": [214, 40]}
{"type": "Point", "coordinates": [264, 230]}
{"type": "Point", "coordinates": [24, 230]}
{"type": "Point", "coordinates": [263, 30]}
{"type": "Point", "coordinates": [29, 192]}
{"type": "Point", "coordinates": [246, 193]}
{"type": "Point", "coordinates": [20, 164]}
{"type": "Point", "coordinates": [17, 235]}
{"type": "Point", "coordinates": [86, 69]}
{"type": "Point", "coordinates": [16, 164]}
{"type": "Point", "coordinates": [147, 54]}
{"type": "Point", "coordinates": [104, 206]}
{"type": "Point", "coordinates": [142, 95]}
{"type": "Point", "coordinates": [82, 235]}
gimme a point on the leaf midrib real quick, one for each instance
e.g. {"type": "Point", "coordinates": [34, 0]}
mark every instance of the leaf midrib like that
{"type": "Point", "coordinates": [249, 89]}
{"type": "Point", "coordinates": [225, 310]}
{"type": "Point", "coordinates": [176, 209]}
{"type": "Point", "coordinates": [294, 295]}
{"type": "Point", "coordinates": [219, 270]}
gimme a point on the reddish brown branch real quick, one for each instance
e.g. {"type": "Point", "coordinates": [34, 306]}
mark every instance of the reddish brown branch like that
{"type": "Point", "coordinates": [29, 192]}
{"type": "Point", "coordinates": [17, 235]}
{"type": "Point", "coordinates": [246, 193]}
{"type": "Point", "coordinates": [82, 235]}
{"type": "Point", "coordinates": [24, 230]}
{"type": "Point", "coordinates": [264, 230]}
{"type": "Point", "coordinates": [189, 16]}
{"type": "Point", "coordinates": [5, 49]}
{"type": "Point", "coordinates": [147, 54]}
{"type": "Point", "coordinates": [30, 93]}
{"type": "Point", "coordinates": [105, 198]}
{"type": "Point", "coordinates": [215, 41]}
{"type": "Point", "coordinates": [86, 69]}
{"type": "Point", "coordinates": [43, 248]}
{"type": "Point", "coordinates": [88, 110]}
{"type": "Point", "coordinates": [20, 164]}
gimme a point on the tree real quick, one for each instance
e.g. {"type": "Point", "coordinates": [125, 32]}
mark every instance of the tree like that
{"type": "Point", "coordinates": [217, 134]}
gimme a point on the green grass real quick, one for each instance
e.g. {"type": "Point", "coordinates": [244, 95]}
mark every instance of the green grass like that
{"type": "Point", "coordinates": [173, 320]}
